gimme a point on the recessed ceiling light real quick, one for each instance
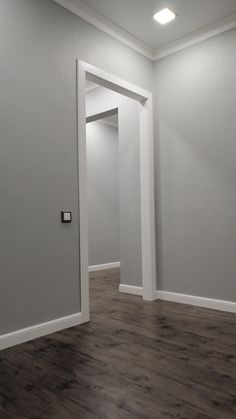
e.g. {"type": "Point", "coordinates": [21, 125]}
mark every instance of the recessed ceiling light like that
{"type": "Point", "coordinates": [164, 16]}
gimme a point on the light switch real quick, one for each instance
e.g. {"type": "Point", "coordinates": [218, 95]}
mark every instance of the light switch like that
{"type": "Point", "coordinates": [66, 216]}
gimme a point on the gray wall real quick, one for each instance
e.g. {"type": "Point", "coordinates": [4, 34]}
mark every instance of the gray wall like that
{"type": "Point", "coordinates": [103, 193]}
{"type": "Point", "coordinates": [195, 159]}
{"type": "Point", "coordinates": [101, 100]}
{"type": "Point", "coordinates": [196, 170]}
{"type": "Point", "coordinates": [39, 42]}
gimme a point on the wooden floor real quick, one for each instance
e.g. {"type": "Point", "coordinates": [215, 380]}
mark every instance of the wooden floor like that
{"type": "Point", "coordinates": [134, 360]}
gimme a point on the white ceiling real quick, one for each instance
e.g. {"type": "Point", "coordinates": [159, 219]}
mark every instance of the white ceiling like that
{"type": "Point", "coordinates": [131, 21]}
{"type": "Point", "coordinates": [135, 16]}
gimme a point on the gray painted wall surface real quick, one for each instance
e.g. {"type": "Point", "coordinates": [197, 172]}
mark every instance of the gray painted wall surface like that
{"type": "Point", "coordinates": [101, 100]}
{"type": "Point", "coordinates": [196, 170]}
{"type": "Point", "coordinates": [39, 42]}
{"type": "Point", "coordinates": [103, 193]}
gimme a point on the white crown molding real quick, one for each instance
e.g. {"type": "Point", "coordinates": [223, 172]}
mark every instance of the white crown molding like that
{"type": "Point", "coordinates": [104, 266]}
{"type": "Point", "coordinates": [203, 34]}
{"type": "Point", "coordinates": [105, 25]}
{"type": "Point", "coordinates": [39, 330]}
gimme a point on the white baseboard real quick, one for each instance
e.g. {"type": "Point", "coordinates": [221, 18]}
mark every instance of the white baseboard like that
{"type": "Point", "coordinates": [197, 301]}
{"type": "Point", "coordinates": [184, 299]}
{"type": "Point", "coordinates": [130, 289]}
{"type": "Point", "coordinates": [43, 329]}
{"type": "Point", "coordinates": [39, 330]}
{"type": "Point", "coordinates": [104, 266]}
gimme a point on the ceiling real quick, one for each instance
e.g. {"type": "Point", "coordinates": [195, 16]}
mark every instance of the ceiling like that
{"type": "Point", "coordinates": [135, 16]}
{"type": "Point", "coordinates": [131, 21]}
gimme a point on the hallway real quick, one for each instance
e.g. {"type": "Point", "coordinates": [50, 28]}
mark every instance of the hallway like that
{"type": "Point", "coordinates": [134, 360]}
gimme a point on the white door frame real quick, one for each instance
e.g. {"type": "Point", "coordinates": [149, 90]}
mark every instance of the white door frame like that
{"type": "Point", "coordinates": [85, 70]}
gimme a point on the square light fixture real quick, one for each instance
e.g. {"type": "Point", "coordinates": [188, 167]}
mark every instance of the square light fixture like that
{"type": "Point", "coordinates": [164, 16]}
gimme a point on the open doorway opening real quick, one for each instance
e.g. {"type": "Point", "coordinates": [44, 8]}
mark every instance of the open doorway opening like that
{"type": "Point", "coordinates": [137, 227]}
{"type": "Point", "coordinates": [113, 185]}
{"type": "Point", "coordinates": [102, 142]}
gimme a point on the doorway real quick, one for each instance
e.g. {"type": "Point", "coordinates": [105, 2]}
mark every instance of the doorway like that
{"type": "Point", "coordinates": [147, 220]}
{"type": "Point", "coordinates": [102, 139]}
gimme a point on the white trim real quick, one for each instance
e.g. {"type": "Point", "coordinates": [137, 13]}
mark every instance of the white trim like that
{"type": "Point", "coordinates": [197, 301]}
{"type": "Point", "coordinates": [39, 330]}
{"type": "Point", "coordinates": [105, 25]}
{"type": "Point", "coordinates": [91, 88]}
{"type": "Point", "coordinates": [146, 175]}
{"type": "Point", "coordinates": [104, 266]}
{"type": "Point", "coordinates": [110, 124]}
{"type": "Point", "coordinates": [101, 115]}
{"type": "Point", "coordinates": [147, 200]}
{"type": "Point", "coordinates": [82, 185]}
{"type": "Point", "coordinates": [109, 81]}
{"type": "Point", "coordinates": [193, 300]}
{"type": "Point", "coordinates": [130, 289]}
{"type": "Point", "coordinates": [85, 12]}
{"type": "Point", "coordinates": [203, 34]}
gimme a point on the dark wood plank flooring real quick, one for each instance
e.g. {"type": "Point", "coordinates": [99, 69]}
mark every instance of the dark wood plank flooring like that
{"type": "Point", "coordinates": [134, 360]}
